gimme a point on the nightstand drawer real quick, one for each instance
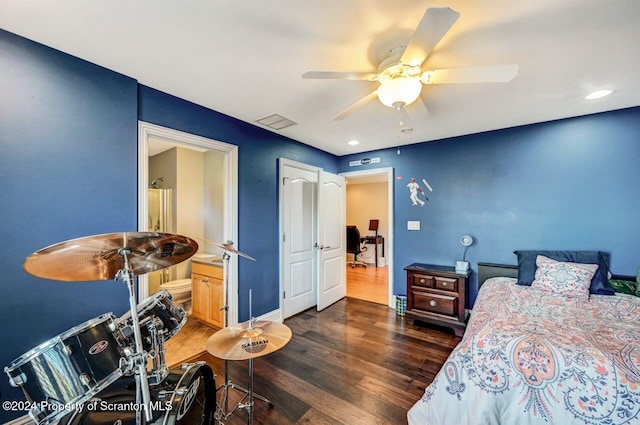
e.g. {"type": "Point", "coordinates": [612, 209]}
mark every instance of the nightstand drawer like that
{"type": "Point", "coordinates": [435, 303]}
{"type": "Point", "coordinates": [423, 280]}
{"type": "Point", "coordinates": [446, 284]}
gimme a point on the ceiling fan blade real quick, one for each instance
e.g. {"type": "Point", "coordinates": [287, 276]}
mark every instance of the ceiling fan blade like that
{"type": "Point", "coordinates": [409, 115]}
{"type": "Point", "coordinates": [404, 119]}
{"type": "Point", "coordinates": [329, 75]}
{"type": "Point", "coordinates": [358, 104]}
{"type": "Point", "coordinates": [420, 109]}
{"type": "Point", "coordinates": [435, 23]}
{"type": "Point", "coordinates": [476, 74]}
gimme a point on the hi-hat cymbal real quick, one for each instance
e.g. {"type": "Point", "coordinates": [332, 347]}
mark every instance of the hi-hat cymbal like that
{"type": "Point", "coordinates": [229, 248]}
{"type": "Point", "coordinates": [242, 342]}
{"type": "Point", "coordinates": [99, 257]}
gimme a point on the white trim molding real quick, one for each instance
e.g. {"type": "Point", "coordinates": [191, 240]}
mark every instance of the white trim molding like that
{"type": "Point", "coordinates": [388, 171]}
{"type": "Point", "coordinates": [230, 208]}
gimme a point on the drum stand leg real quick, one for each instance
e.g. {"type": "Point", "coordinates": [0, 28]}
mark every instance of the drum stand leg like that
{"type": "Point", "coordinates": [138, 359]}
{"type": "Point", "coordinates": [223, 412]}
{"type": "Point", "coordinates": [249, 395]}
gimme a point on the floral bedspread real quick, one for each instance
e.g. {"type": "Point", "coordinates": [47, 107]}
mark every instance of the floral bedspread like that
{"type": "Point", "coordinates": [528, 357]}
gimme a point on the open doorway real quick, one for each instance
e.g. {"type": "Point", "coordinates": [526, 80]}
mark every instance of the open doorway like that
{"type": "Point", "coordinates": [187, 185]}
{"type": "Point", "coordinates": [370, 210]}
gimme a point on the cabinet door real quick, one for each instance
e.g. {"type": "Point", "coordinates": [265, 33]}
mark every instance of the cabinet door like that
{"type": "Point", "coordinates": [215, 314]}
{"type": "Point", "coordinates": [199, 296]}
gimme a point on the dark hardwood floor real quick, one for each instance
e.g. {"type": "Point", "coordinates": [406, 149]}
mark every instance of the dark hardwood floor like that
{"type": "Point", "coordinates": [354, 363]}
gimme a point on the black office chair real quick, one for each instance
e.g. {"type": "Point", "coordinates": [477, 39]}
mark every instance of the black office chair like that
{"type": "Point", "coordinates": [354, 245]}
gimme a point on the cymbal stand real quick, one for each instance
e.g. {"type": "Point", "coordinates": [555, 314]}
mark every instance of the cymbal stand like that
{"type": "Point", "coordinates": [138, 360]}
{"type": "Point", "coordinates": [223, 412]}
{"type": "Point", "coordinates": [248, 406]}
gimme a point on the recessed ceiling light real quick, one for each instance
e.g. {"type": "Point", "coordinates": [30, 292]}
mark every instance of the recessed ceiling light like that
{"type": "Point", "coordinates": [353, 142]}
{"type": "Point", "coordinates": [598, 94]}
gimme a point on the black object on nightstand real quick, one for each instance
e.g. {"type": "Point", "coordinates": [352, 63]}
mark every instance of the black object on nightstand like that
{"type": "Point", "coordinates": [437, 294]}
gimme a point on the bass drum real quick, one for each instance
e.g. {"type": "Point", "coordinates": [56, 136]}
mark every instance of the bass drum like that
{"type": "Point", "coordinates": [187, 396]}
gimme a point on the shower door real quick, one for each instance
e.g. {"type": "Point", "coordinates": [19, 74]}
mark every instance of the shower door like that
{"type": "Point", "coordinates": [160, 220]}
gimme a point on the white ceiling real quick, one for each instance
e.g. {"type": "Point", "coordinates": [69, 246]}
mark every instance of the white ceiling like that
{"type": "Point", "coordinates": [245, 58]}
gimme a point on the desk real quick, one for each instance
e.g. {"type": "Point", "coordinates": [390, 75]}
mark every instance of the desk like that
{"type": "Point", "coordinates": [375, 240]}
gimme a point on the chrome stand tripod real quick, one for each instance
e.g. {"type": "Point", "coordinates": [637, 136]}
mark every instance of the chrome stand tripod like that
{"type": "Point", "coordinates": [222, 410]}
{"type": "Point", "coordinates": [247, 341]}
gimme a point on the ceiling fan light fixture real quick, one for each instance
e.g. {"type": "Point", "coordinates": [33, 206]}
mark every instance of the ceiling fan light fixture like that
{"type": "Point", "coordinates": [400, 91]}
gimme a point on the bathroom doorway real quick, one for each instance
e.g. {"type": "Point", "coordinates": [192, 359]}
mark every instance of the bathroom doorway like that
{"type": "Point", "coordinates": [187, 185]}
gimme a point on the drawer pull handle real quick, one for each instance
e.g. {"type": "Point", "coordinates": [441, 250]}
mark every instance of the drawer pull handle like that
{"type": "Point", "coordinates": [444, 283]}
{"type": "Point", "coordinates": [432, 303]}
{"type": "Point", "coordinates": [422, 280]}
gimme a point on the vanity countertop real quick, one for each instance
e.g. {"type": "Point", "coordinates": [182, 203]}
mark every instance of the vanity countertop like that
{"type": "Point", "coordinates": [208, 259]}
{"type": "Point", "coordinates": [215, 263]}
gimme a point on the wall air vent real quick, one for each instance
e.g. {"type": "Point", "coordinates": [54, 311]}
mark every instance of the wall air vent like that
{"type": "Point", "coordinates": [276, 122]}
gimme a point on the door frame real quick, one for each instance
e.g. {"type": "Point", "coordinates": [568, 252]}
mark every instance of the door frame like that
{"type": "Point", "coordinates": [230, 196]}
{"type": "Point", "coordinates": [388, 171]}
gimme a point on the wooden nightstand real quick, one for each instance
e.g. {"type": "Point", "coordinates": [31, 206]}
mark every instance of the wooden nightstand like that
{"type": "Point", "coordinates": [437, 294]}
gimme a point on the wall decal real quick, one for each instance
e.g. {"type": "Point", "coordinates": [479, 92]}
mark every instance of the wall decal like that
{"type": "Point", "coordinates": [414, 189]}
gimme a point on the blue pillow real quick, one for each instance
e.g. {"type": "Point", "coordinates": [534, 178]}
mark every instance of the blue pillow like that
{"type": "Point", "coordinates": [599, 283]}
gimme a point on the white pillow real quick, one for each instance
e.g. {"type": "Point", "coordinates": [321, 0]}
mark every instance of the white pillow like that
{"type": "Point", "coordinates": [563, 278]}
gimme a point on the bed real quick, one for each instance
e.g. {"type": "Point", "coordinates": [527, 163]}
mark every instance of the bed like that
{"type": "Point", "coordinates": [530, 356]}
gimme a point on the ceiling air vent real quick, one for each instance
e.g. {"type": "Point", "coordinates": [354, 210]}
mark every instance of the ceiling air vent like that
{"type": "Point", "coordinates": [276, 122]}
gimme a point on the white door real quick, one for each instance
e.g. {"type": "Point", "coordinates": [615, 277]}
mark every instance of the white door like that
{"type": "Point", "coordinates": [332, 275]}
{"type": "Point", "coordinates": [298, 228]}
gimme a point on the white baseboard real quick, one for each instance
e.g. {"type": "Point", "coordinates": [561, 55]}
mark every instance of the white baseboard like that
{"type": "Point", "coordinates": [272, 316]}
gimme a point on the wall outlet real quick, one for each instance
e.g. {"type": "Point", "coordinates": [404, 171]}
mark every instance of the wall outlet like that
{"type": "Point", "coordinates": [413, 225]}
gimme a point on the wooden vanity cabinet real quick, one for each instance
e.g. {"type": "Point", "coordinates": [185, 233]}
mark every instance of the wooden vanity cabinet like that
{"type": "Point", "coordinates": [207, 297]}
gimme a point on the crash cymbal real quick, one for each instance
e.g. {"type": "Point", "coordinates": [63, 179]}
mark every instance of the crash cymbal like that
{"type": "Point", "coordinates": [98, 257]}
{"type": "Point", "coordinates": [229, 248]}
{"type": "Point", "coordinates": [243, 342]}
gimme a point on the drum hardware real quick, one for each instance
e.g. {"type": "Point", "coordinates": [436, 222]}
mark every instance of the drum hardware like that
{"type": "Point", "coordinates": [159, 320]}
{"type": "Point", "coordinates": [139, 356]}
{"type": "Point", "coordinates": [17, 380]}
{"type": "Point", "coordinates": [223, 411]}
{"type": "Point", "coordinates": [159, 370]}
{"type": "Point", "coordinates": [117, 256]}
{"type": "Point", "coordinates": [245, 342]}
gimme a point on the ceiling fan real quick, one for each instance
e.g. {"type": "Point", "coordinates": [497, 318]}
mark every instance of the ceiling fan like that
{"type": "Point", "coordinates": [400, 74]}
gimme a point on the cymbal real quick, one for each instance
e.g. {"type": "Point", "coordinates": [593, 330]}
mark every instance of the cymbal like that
{"type": "Point", "coordinates": [98, 257]}
{"type": "Point", "coordinates": [229, 248]}
{"type": "Point", "coordinates": [243, 343]}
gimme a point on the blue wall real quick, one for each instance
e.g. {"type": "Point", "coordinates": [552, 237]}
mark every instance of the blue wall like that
{"type": "Point", "coordinates": [68, 132]}
{"type": "Point", "coordinates": [569, 184]}
{"type": "Point", "coordinates": [68, 163]}
{"type": "Point", "coordinates": [258, 152]}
